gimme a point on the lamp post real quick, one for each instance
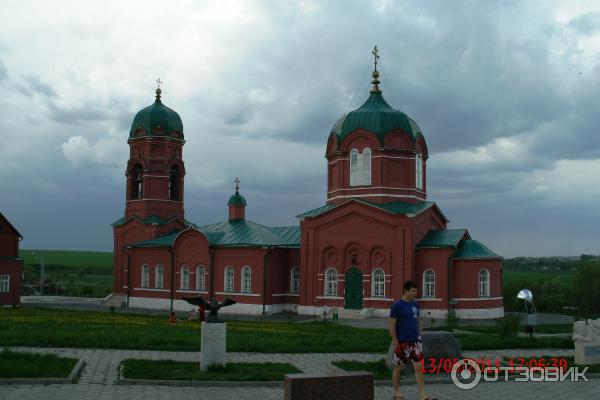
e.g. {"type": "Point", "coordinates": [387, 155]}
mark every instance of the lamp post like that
{"type": "Point", "coordinates": [527, 297]}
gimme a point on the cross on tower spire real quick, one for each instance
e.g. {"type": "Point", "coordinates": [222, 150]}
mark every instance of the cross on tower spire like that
{"type": "Point", "coordinates": [158, 91]}
{"type": "Point", "coordinates": [375, 74]}
{"type": "Point", "coordinates": [237, 184]}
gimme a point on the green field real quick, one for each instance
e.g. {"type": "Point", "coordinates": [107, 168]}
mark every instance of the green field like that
{"type": "Point", "coordinates": [71, 273]}
{"type": "Point", "coordinates": [509, 275]}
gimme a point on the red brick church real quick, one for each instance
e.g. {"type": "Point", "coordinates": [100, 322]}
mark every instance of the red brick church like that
{"type": "Point", "coordinates": [375, 230]}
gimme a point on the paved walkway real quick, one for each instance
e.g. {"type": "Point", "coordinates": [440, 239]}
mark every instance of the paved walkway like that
{"type": "Point", "coordinates": [100, 375]}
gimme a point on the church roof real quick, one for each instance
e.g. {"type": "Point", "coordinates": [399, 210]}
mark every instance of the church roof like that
{"type": "Point", "coordinates": [237, 199]}
{"type": "Point", "coordinates": [238, 233]}
{"type": "Point", "coordinates": [443, 238]}
{"type": "Point", "coordinates": [470, 249]}
{"type": "Point", "coordinates": [10, 226]}
{"type": "Point", "coordinates": [150, 220]}
{"type": "Point", "coordinates": [157, 120]}
{"type": "Point", "coordinates": [394, 207]}
{"type": "Point", "coordinates": [375, 116]}
{"type": "Point", "coordinates": [248, 233]}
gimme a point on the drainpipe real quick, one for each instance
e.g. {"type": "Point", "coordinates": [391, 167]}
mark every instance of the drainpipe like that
{"type": "Point", "coordinates": [265, 278]}
{"type": "Point", "coordinates": [450, 294]}
{"type": "Point", "coordinates": [211, 291]}
{"type": "Point", "coordinates": [172, 276]}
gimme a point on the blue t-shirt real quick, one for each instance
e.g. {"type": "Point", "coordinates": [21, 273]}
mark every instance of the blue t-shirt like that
{"type": "Point", "coordinates": [406, 314]}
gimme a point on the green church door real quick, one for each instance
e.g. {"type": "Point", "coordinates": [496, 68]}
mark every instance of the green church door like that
{"type": "Point", "coordinates": [353, 298]}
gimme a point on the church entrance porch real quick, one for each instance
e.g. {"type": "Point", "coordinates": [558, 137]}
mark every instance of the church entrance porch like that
{"type": "Point", "coordinates": [353, 295]}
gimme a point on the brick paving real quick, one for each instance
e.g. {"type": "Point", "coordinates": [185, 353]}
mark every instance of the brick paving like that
{"type": "Point", "coordinates": [99, 379]}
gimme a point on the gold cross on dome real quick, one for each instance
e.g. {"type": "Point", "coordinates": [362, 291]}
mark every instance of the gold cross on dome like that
{"type": "Point", "coordinates": [159, 82]}
{"type": "Point", "coordinates": [375, 53]}
{"type": "Point", "coordinates": [237, 184]}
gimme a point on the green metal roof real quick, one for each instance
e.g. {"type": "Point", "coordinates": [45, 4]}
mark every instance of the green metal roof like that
{"type": "Point", "coordinates": [152, 220]}
{"type": "Point", "coordinates": [443, 238]}
{"type": "Point", "coordinates": [375, 116]}
{"type": "Point", "coordinates": [473, 249]}
{"type": "Point", "coordinates": [236, 199]}
{"type": "Point", "coordinates": [248, 233]}
{"type": "Point", "coordinates": [394, 207]}
{"type": "Point", "coordinates": [161, 241]}
{"type": "Point", "coordinates": [155, 116]}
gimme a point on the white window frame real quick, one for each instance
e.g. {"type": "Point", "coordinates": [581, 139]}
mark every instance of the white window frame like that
{"type": "Point", "coordinates": [295, 280]}
{"type": "Point", "coordinates": [483, 284]}
{"type": "Point", "coordinates": [159, 276]}
{"type": "Point", "coordinates": [429, 283]}
{"type": "Point", "coordinates": [331, 282]}
{"type": "Point", "coordinates": [228, 280]}
{"type": "Point", "coordinates": [360, 167]}
{"type": "Point", "coordinates": [378, 283]}
{"type": "Point", "coordinates": [184, 279]}
{"type": "Point", "coordinates": [366, 166]}
{"type": "Point", "coordinates": [354, 167]}
{"type": "Point", "coordinates": [4, 283]}
{"type": "Point", "coordinates": [200, 278]}
{"type": "Point", "coordinates": [246, 281]}
{"type": "Point", "coordinates": [145, 276]}
{"type": "Point", "coordinates": [419, 171]}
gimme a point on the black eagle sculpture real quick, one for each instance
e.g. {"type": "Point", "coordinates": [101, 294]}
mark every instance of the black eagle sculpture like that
{"type": "Point", "coordinates": [212, 306]}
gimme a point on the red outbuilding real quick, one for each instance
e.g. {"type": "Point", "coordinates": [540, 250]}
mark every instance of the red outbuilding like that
{"type": "Point", "coordinates": [11, 265]}
{"type": "Point", "coordinates": [376, 230]}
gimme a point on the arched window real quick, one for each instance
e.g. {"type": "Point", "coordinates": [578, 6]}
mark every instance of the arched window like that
{"type": "Point", "coordinates": [145, 276]}
{"type": "Point", "coordinates": [200, 270]}
{"type": "Point", "coordinates": [185, 278]}
{"type": "Point", "coordinates": [429, 283]}
{"type": "Point", "coordinates": [354, 168]}
{"type": "Point", "coordinates": [378, 283]}
{"type": "Point", "coordinates": [419, 171]}
{"type": "Point", "coordinates": [174, 183]}
{"type": "Point", "coordinates": [246, 280]}
{"type": "Point", "coordinates": [158, 277]}
{"type": "Point", "coordinates": [137, 183]}
{"type": "Point", "coordinates": [366, 173]}
{"type": "Point", "coordinates": [331, 282]}
{"type": "Point", "coordinates": [295, 280]}
{"type": "Point", "coordinates": [484, 283]}
{"type": "Point", "coordinates": [228, 281]}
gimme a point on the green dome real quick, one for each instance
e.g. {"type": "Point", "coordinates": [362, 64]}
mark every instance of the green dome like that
{"type": "Point", "coordinates": [236, 200]}
{"type": "Point", "coordinates": [375, 116]}
{"type": "Point", "coordinates": [157, 116]}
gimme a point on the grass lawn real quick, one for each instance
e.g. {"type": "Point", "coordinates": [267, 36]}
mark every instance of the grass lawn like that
{"type": "Point", "coordinates": [550, 328]}
{"type": "Point", "coordinates": [69, 258]}
{"type": "Point", "coordinates": [176, 370]}
{"type": "Point", "coordinates": [491, 341]}
{"type": "Point", "coordinates": [378, 368]}
{"type": "Point", "coordinates": [30, 365]}
{"type": "Point", "coordinates": [72, 328]}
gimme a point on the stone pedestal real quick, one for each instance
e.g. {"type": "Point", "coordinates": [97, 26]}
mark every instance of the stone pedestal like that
{"type": "Point", "coordinates": [357, 385]}
{"type": "Point", "coordinates": [212, 342]}
{"type": "Point", "coordinates": [586, 335]}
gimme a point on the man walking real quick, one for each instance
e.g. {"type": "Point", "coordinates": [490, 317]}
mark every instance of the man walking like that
{"type": "Point", "coordinates": [405, 330]}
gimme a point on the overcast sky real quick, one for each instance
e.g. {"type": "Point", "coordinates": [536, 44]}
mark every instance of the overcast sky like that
{"type": "Point", "coordinates": [507, 94]}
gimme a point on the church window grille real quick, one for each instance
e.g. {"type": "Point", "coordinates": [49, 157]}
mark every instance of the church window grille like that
{"type": "Point", "coordinates": [138, 183]}
{"type": "Point", "coordinates": [4, 283]}
{"type": "Point", "coordinates": [295, 280]}
{"type": "Point", "coordinates": [159, 277]}
{"type": "Point", "coordinates": [331, 282]}
{"type": "Point", "coordinates": [174, 183]}
{"type": "Point", "coordinates": [145, 276]}
{"type": "Point", "coordinates": [185, 278]}
{"type": "Point", "coordinates": [378, 289]}
{"type": "Point", "coordinates": [428, 283]}
{"type": "Point", "coordinates": [228, 282]}
{"type": "Point", "coordinates": [484, 283]}
{"type": "Point", "coordinates": [246, 280]}
{"type": "Point", "coordinates": [200, 271]}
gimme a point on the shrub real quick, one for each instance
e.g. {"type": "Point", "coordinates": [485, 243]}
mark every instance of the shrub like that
{"type": "Point", "coordinates": [508, 326]}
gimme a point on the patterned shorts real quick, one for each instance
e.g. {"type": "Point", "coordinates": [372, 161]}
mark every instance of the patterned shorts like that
{"type": "Point", "coordinates": [407, 351]}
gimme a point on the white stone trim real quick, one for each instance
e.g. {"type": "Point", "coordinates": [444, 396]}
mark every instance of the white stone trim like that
{"type": "Point", "coordinates": [478, 298]}
{"type": "Point", "coordinates": [192, 291]}
{"type": "Point", "coordinates": [479, 313]}
{"type": "Point", "coordinates": [144, 199]}
{"type": "Point", "coordinates": [286, 294]}
{"type": "Point", "coordinates": [330, 297]}
{"type": "Point", "coordinates": [378, 299]}
{"type": "Point", "coordinates": [430, 299]}
{"type": "Point", "coordinates": [238, 294]}
{"type": "Point", "coordinates": [152, 289]}
{"type": "Point", "coordinates": [379, 156]}
{"type": "Point", "coordinates": [156, 176]}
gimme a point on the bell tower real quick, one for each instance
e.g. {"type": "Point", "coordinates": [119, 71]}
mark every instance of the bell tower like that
{"type": "Point", "coordinates": [155, 170]}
